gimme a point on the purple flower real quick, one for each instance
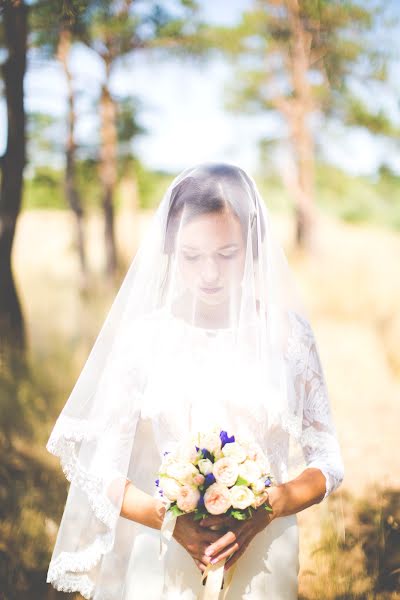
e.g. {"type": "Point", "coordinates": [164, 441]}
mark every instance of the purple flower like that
{"type": "Point", "coordinates": [209, 479]}
{"type": "Point", "coordinates": [157, 482]}
{"type": "Point", "coordinates": [207, 454]}
{"type": "Point", "coordinates": [197, 448]}
{"type": "Point", "coordinates": [167, 452]}
{"type": "Point", "coordinates": [225, 438]}
{"type": "Point", "coordinates": [200, 503]}
{"type": "Point", "coordinates": [268, 482]}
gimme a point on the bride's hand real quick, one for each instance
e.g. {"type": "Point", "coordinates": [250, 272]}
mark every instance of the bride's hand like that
{"type": "Point", "coordinates": [235, 541]}
{"type": "Point", "coordinates": [194, 539]}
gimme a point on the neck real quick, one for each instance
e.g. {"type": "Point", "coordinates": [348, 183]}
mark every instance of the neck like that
{"type": "Point", "coordinates": [205, 315]}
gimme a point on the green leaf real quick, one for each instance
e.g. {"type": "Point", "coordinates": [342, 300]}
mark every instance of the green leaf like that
{"type": "Point", "coordinates": [241, 481]}
{"type": "Point", "coordinates": [268, 508]}
{"type": "Point", "coordinates": [199, 515]}
{"type": "Point", "coordinates": [239, 515]}
{"type": "Point", "coordinates": [176, 511]}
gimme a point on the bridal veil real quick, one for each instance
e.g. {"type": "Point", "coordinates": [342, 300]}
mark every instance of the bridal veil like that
{"type": "Point", "coordinates": [208, 262]}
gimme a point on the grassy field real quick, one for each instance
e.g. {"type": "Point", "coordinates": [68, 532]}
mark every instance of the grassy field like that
{"type": "Point", "coordinates": [351, 287]}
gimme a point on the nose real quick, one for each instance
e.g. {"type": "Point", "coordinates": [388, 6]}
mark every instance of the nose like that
{"type": "Point", "coordinates": [209, 271]}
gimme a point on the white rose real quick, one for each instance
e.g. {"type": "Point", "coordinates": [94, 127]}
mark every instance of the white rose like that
{"type": "Point", "coordinates": [226, 471]}
{"type": "Point", "coordinates": [187, 453]}
{"type": "Point", "coordinates": [217, 499]}
{"type": "Point", "coordinates": [250, 471]}
{"type": "Point", "coordinates": [210, 441]}
{"type": "Point", "coordinates": [170, 488]}
{"type": "Point", "coordinates": [168, 459]}
{"type": "Point", "coordinates": [263, 462]}
{"type": "Point", "coordinates": [205, 465]}
{"type": "Point", "coordinates": [258, 486]}
{"type": "Point", "coordinates": [255, 453]}
{"type": "Point", "coordinates": [182, 472]}
{"type": "Point", "coordinates": [234, 450]}
{"type": "Point", "coordinates": [188, 498]}
{"type": "Point", "coordinates": [241, 496]}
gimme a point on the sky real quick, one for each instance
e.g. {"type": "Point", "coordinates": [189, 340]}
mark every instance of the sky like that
{"type": "Point", "coordinates": [184, 113]}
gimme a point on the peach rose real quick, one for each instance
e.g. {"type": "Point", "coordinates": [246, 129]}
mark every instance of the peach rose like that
{"type": "Point", "coordinates": [198, 479]}
{"type": "Point", "coordinates": [188, 498]}
{"type": "Point", "coordinates": [217, 499]}
{"type": "Point", "coordinates": [260, 499]}
{"type": "Point", "coordinates": [226, 471]}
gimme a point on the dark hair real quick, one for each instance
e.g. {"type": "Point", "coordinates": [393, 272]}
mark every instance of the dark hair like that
{"type": "Point", "coordinates": [212, 189]}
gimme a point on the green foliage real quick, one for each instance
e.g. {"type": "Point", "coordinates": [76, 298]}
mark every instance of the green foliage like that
{"type": "Point", "coordinates": [151, 185]}
{"type": "Point", "coordinates": [361, 562]}
{"type": "Point", "coordinates": [241, 481]}
{"type": "Point", "coordinates": [44, 190]}
{"type": "Point", "coordinates": [344, 48]}
{"type": "Point", "coordinates": [238, 514]}
{"type": "Point", "coordinates": [359, 199]}
{"type": "Point", "coordinates": [175, 510]}
{"type": "Point", "coordinates": [354, 199]}
{"type": "Point", "coordinates": [32, 491]}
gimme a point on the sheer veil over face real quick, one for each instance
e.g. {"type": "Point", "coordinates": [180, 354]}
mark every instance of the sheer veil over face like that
{"type": "Point", "coordinates": [207, 329]}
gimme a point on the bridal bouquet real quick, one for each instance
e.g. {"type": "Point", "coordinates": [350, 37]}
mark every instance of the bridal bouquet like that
{"type": "Point", "coordinates": [214, 473]}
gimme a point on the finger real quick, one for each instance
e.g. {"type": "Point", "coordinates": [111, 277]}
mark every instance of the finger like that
{"type": "Point", "coordinates": [209, 537]}
{"type": "Point", "coordinates": [200, 565]}
{"type": "Point", "coordinates": [219, 545]}
{"type": "Point", "coordinates": [235, 556]}
{"type": "Point", "coordinates": [217, 520]}
{"type": "Point", "coordinates": [226, 553]}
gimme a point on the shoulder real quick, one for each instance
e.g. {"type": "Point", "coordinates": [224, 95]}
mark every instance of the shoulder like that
{"type": "Point", "coordinates": [299, 326]}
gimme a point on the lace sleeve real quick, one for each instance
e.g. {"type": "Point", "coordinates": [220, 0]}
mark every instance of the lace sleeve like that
{"type": "Point", "coordinates": [319, 437]}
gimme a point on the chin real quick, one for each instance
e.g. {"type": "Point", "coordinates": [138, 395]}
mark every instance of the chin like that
{"type": "Point", "coordinates": [212, 299]}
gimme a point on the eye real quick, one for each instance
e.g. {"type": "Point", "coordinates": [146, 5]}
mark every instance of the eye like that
{"type": "Point", "coordinates": [229, 256]}
{"type": "Point", "coordinates": [191, 257]}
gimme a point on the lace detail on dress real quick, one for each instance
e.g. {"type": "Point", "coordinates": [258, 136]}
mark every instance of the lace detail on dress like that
{"type": "Point", "coordinates": [318, 437]}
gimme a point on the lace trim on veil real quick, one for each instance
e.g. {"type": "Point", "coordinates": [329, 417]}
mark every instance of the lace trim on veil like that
{"type": "Point", "coordinates": [68, 571]}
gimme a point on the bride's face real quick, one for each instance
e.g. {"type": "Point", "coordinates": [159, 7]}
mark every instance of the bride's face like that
{"type": "Point", "coordinates": [211, 253]}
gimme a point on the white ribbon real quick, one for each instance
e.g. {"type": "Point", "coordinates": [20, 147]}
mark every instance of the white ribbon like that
{"type": "Point", "coordinates": [167, 529]}
{"type": "Point", "coordinates": [215, 577]}
{"type": "Point", "coordinates": [214, 573]}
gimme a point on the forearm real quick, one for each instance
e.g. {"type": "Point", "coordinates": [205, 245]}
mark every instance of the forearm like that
{"type": "Point", "coordinates": [141, 507]}
{"type": "Point", "coordinates": [293, 496]}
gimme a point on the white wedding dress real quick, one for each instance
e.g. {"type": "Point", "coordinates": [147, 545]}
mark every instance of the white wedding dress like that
{"type": "Point", "coordinates": [153, 377]}
{"type": "Point", "coordinates": [269, 568]}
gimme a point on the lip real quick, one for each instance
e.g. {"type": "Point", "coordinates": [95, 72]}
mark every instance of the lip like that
{"type": "Point", "coordinates": [211, 290]}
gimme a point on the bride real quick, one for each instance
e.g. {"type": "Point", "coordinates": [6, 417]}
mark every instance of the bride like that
{"type": "Point", "coordinates": [207, 330]}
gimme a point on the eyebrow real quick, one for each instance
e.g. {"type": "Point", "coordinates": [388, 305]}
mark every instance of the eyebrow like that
{"type": "Point", "coordinates": [184, 246]}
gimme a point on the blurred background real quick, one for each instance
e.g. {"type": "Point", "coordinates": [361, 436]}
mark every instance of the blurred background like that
{"type": "Point", "coordinates": [101, 105]}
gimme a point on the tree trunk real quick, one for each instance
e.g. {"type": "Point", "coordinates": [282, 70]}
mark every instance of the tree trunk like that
{"type": "Point", "coordinates": [71, 189]}
{"type": "Point", "coordinates": [108, 173]}
{"type": "Point", "coordinates": [299, 109]}
{"type": "Point", "coordinates": [303, 144]}
{"type": "Point", "coordinates": [12, 167]}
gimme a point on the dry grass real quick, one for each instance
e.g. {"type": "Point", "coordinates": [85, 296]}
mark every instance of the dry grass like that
{"type": "Point", "coordinates": [351, 286]}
